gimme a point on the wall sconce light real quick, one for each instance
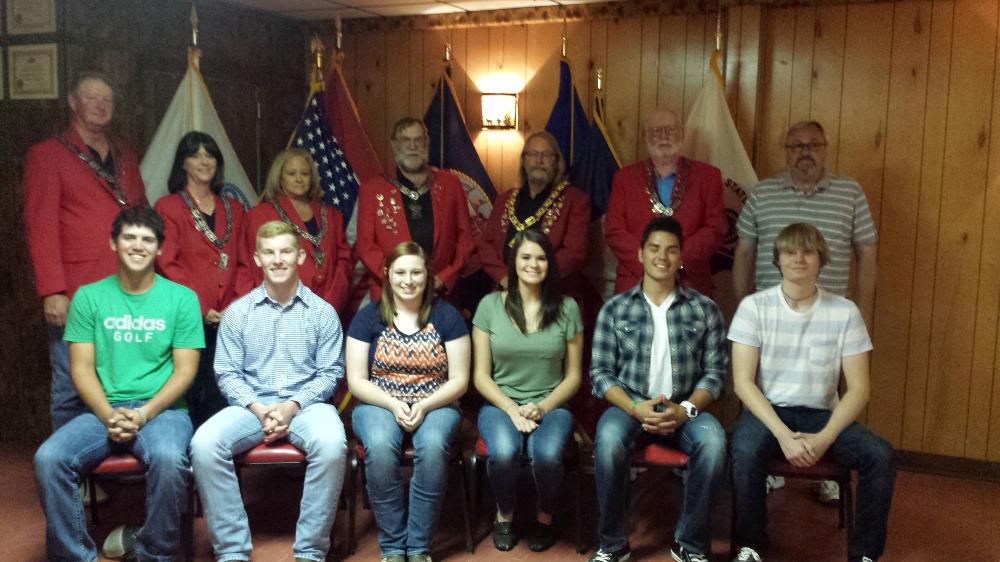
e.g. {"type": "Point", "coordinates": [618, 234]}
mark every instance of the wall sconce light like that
{"type": "Point", "coordinates": [499, 111]}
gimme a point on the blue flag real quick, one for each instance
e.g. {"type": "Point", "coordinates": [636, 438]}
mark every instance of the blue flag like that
{"type": "Point", "coordinates": [451, 149]}
{"type": "Point", "coordinates": [336, 177]}
{"type": "Point", "coordinates": [598, 163]}
{"type": "Point", "coordinates": [568, 121]}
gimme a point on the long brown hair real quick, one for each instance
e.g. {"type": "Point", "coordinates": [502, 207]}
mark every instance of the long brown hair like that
{"type": "Point", "coordinates": [550, 291]}
{"type": "Point", "coordinates": [387, 305]}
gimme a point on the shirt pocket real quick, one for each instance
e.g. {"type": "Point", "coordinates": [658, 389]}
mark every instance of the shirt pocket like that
{"type": "Point", "coordinates": [628, 336]}
{"type": "Point", "coordinates": [822, 352]}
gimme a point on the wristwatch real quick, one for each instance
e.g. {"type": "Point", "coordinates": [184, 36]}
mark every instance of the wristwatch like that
{"type": "Point", "coordinates": [691, 409]}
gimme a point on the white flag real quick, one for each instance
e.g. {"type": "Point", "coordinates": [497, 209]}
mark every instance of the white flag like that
{"type": "Point", "coordinates": [711, 136]}
{"type": "Point", "coordinates": [190, 110]}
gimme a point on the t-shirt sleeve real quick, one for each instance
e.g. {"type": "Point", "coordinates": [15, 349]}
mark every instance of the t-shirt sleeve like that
{"type": "Point", "coordinates": [864, 227]}
{"type": "Point", "coordinates": [747, 225]}
{"type": "Point", "coordinates": [485, 313]}
{"type": "Point", "coordinates": [189, 332]}
{"type": "Point", "coordinates": [856, 338]}
{"type": "Point", "coordinates": [80, 321]}
{"type": "Point", "coordinates": [572, 324]}
{"type": "Point", "coordinates": [447, 321]}
{"type": "Point", "coordinates": [366, 325]}
{"type": "Point", "coordinates": [745, 327]}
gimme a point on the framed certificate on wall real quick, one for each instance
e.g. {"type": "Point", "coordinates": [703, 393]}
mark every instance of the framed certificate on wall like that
{"type": "Point", "coordinates": [33, 71]}
{"type": "Point", "coordinates": [31, 16]}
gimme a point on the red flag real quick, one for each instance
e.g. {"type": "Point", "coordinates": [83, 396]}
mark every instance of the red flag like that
{"type": "Point", "coordinates": [345, 124]}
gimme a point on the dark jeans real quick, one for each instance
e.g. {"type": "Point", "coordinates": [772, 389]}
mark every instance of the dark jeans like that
{"type": "Point", "coordinates": [856, 447]}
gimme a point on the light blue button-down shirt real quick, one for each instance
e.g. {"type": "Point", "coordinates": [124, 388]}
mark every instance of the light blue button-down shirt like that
{"type": "Point", "coordinates": [268, 353]}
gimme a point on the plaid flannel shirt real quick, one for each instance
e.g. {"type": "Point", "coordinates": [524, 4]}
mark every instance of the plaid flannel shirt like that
{"type": "Point", "coordinates": [623, 341]}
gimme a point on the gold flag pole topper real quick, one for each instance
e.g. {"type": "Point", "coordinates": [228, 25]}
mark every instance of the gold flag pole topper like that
{"type": "Point", "coordinates": [316, 47]}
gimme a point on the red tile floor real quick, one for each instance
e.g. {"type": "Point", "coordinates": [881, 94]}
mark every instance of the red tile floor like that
{"type": "Point", "coordinates": [933, 518]}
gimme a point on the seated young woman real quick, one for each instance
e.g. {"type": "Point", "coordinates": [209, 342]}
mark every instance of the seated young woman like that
{"type": "Point", "coordinates": [528, 342]}
{"type": "Point", "coordinates": [408, 357]}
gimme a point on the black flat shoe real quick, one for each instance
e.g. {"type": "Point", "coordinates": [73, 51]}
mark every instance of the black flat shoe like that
{"type": "Point", "coordinates": [503, 535]}
{"type": "Point", "coordinates": [542, 537]}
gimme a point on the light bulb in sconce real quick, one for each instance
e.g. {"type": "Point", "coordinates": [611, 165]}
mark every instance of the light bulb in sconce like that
{"type": "Point", "coordinates": [499, 111]}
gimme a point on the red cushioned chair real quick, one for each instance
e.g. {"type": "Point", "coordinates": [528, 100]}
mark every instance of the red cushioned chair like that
{"type": "Point", "coordinates": [825, 469]}
{"type": "Point", "coordinates": [117, 466]}
{"type": "Point", "coordinates": [281, 453]}
{"type": "Point", "coordinates": [571, 461]}
{"type": "Point", "coordinates": [357, 465]}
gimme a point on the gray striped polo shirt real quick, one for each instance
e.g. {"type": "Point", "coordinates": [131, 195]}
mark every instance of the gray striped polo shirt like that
{"type": "Point", "coordinates": [838, 208]}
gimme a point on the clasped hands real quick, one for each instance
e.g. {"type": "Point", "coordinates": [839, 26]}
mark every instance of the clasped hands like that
{"type": "Point", "coordinates": [525, 417]}
{"type": "Point", "coordinates": [803, 449]}
{"type": "Point", "coordinates": [408, 416]}
{"type": "Point", "coordinates": [275, 418]}
{"type": "Point", "coordinates": [663, 422]}
{"type": "Point", "coordinates": [123, 424]}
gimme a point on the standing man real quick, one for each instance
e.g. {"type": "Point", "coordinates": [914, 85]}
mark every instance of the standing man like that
{"type": "Point", "coordinates": [660, 359]}
{"type": "Point", "coordinates": [790, 343]}
{"type": "Point", "coordinates": [277, 361]}
{"type": "Point", "coordinates": [807, 192]}
{"type": "Point", "coordinates": [74, 185]}
{"type": "Point", "coordinates": [544, 202]}
{"type": "Point", "coordinates": [666, 184]}
{"type": "Point", "coordinates": [134, 340]}
{"type": "Point", "coordinates": [420, 203]}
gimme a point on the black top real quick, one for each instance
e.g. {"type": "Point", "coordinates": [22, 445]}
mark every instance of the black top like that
{"type": "Point", "coordinates": [209, 220]}
{"type": "Point", "coordinates": [108, 164]}
{"type": "Point", "coordinates": [419, 215]}
{"type": "Point", "coordinates": [312, 226]}
{"type": "Point", "coordinates": [525, 206]}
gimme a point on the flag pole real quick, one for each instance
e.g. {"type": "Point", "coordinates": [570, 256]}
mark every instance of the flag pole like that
{"type": "Point", "coordinates": [442, 85]}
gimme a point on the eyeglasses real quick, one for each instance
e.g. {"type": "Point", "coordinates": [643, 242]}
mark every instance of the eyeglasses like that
{"type": "Point", "coordinates": [540, 155]}
{"type": "Point", "coordinates": [415, 142]}
{"type": "Point", "coordinates": [801, 146]}
{"type": "Point", "coordinates": [665, 133]}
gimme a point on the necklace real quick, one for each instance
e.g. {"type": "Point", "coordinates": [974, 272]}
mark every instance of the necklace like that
{"type": "Point", "coordinates": [545, 210]}
{"type": "Point", "coordinates": [676, 196]}
{"type": "Point", "coordinates": [318, 255]}
{"type": "Point", "coordinates": [794, 303]}
{"type": "Point", "coordinates": [111, 181]}
{"type": "Point", "coordinates": [414, 195]}
{"type": "Point", "coordinates": [202, 226]}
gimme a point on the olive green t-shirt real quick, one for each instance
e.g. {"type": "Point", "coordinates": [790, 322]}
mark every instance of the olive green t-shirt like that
{"type": "Point", "coordinates": [527, 367]}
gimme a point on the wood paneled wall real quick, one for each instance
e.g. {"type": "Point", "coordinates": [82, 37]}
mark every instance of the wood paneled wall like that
{"type": "Point", "coordinates": [907, 91]}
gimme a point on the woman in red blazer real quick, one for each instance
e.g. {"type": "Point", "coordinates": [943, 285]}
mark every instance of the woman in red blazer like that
{"type": "Point", "coordinates": [292, 194]}
{"type": "Point", "coordinates": [201, 230]}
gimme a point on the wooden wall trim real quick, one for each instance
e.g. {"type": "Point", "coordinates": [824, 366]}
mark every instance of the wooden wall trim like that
{"type": "Point", "coordinates": [944, 465]}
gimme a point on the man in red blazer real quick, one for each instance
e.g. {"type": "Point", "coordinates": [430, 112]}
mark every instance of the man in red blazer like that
{"type": "Point", "coordinates": [419, 203]}
{"type": "Point", "coordinates": [74, 185]}
{"type": "Point", "coordinates": [545, 201]}
{"type": "Point", "coordinates": [666, 184]}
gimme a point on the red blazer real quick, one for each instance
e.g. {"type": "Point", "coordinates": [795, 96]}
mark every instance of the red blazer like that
{"type": "Point", "coordinates": [332, 283]}
{"type": "Point", "coordinates": [379, 234]}
{"type": "Point", "coordinates": [701, 214]}
{"type": "Point", "coordinates": [188, 258]}
{"type": "Point", "coordinates": [68, 213]}
{"type": "Point", "coordinates": [568, 233]}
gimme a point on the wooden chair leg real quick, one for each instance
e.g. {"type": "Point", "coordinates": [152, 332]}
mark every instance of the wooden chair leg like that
{"type": "Point", "coordinates": [466, 512]}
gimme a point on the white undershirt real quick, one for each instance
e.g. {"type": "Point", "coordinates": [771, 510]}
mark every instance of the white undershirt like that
{"type": "Point", "coordinates": [661, 380]}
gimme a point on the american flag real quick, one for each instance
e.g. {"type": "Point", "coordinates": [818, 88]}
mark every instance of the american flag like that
{"type": "Point", "coordinates": [340, 185]}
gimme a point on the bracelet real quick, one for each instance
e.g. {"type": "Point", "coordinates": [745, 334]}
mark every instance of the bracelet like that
{"type": "Point", "coordinates": [141, 415]}
{"type": "Point", "coordinates": [631, 407]}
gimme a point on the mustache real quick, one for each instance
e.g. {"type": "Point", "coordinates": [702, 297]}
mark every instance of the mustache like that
{"type": "Point", "coordinates": [804, 158]}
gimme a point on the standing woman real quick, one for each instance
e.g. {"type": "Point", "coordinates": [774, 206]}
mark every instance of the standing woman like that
{"type": "Point", "coordinates": [407, 363]}
{"type": "Point", "coordinates": [528, 343]}
{"type": "Point", "coordinates": [199, 251]}
{"type": "Point", "coordinates": [292, 194]}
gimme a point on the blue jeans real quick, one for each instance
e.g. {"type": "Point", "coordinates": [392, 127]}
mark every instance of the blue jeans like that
{"type": "Point", "coordinates": [78, 446]}
{"type": "Point", "coordinates": [543, 447]}
{"type": "Point", "coordinates": [65, 400]}
{"type": "Point", "coordinates": [399, 531]}
{"type": "Point", "coordinates": [856, 447]}
{"type": "Point", "coordinates": [316, 430]}
{"type": "Point", "coordinates": [702, 439]}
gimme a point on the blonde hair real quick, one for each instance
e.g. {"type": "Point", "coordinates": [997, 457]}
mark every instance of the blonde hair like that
{"type": "Point", "coordinates": [272, 186]}
{"type": "Point", "coordinates": [387, 304]}
{"type": "Point", "coordinates": [801, 236]}
{"type": "Point", "coordinates": [272, 229]}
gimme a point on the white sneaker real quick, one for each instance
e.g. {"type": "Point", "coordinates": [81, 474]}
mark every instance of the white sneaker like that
{"type": "Point", "coordinates": [775, 482]}
{"type": "Point", "coordinates": [748, 554]}
{"type": "Point", "coordinates": [102, 496]}
{"type": "Point", "coordinates": [826, 491]}
{"type": "Point", "coordinates": [120, 542]}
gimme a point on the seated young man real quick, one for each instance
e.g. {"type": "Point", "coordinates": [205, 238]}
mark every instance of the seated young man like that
{"type": "Point", "coordinates": [133, 350]}
{"type": "Point", "coordinates": [659, 357]}
{"type": "Point", "coordinates": [278, 359]}
{"type": "Point", "coordinates": [800, 337]}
